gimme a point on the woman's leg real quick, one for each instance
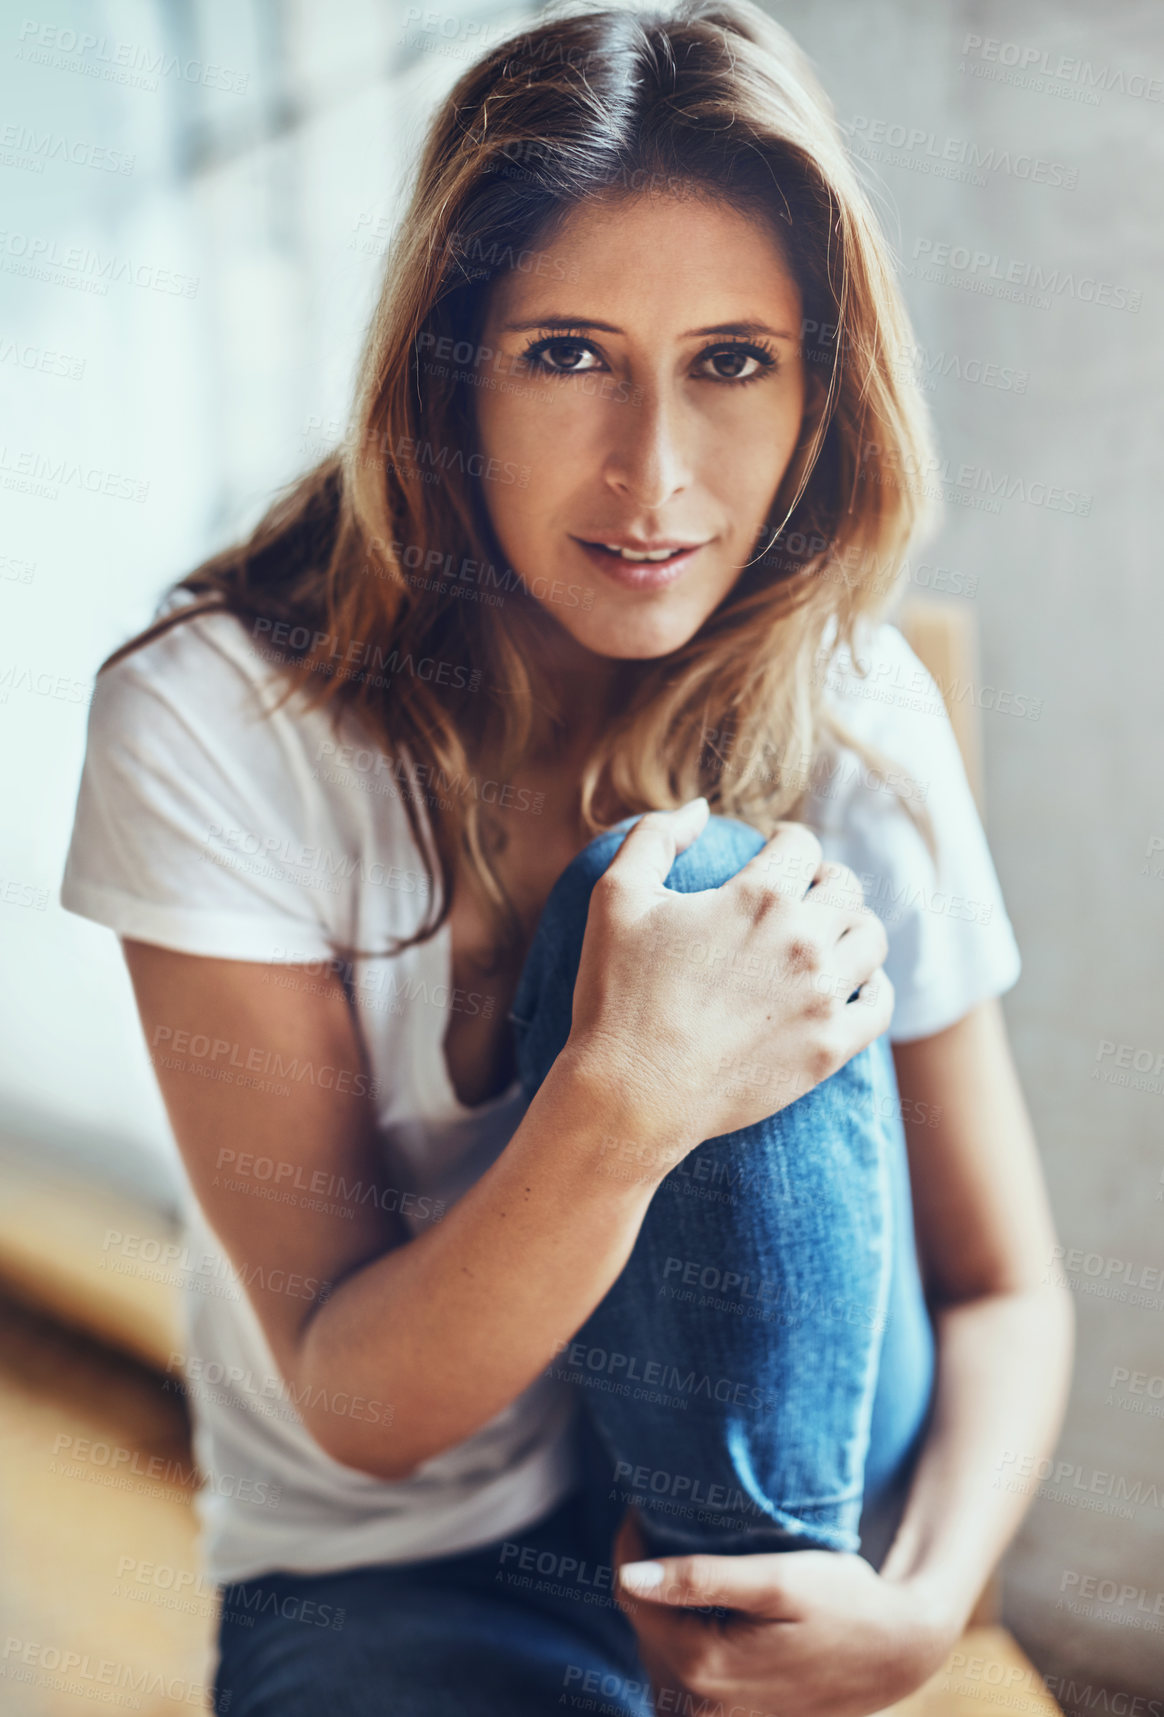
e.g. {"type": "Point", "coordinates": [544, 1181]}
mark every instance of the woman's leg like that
{"type": "Point", "coordinates": [732, 1372]}
{"type": "Point", "coordinates": [519, 1627]}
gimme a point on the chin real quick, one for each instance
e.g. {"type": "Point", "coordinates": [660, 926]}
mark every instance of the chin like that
{"type": "Point", "coordinates": [638, 638]}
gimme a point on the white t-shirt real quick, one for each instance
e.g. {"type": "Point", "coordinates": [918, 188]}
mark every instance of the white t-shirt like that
{"type": "Point", "coordinates": [207, 826]}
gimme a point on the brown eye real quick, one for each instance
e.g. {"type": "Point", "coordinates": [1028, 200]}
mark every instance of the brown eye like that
{"type": "Point", "coordinates": [736, 363]}
{"type": "Point", "coordinates": [563, 357]}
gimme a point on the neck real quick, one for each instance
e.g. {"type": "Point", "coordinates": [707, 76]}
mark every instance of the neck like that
{"type": "Point", "coordinates": [588, 691]}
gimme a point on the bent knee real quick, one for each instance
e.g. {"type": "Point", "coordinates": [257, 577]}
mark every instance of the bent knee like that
{"type": "Point", "coordinates": [723, 847]}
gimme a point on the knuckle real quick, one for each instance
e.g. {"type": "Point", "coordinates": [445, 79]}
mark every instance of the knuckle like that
{"type": "Point", "coordinates": [821, 1058]}
{"type": "Point", "coordinates": [611, 885]}
{"type": "Point", "coordinates": [757, 898]}
{"type": "Point", "coordinates": [697, 1578]}
{"type": "Point", "coordinates": [802, 955]}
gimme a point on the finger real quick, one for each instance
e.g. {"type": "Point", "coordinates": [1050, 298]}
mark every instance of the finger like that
{"type": "Point", "coordinates": [655, 842]}
{"type": "Point", "coordinates": [749, 1583]}
{"type": "Point", "coordinates": [862, 946]}
{"type": "Point", "coordinates": [786, 864]}
{"type": "Point", "coordinates": [867, 1016]}
{"type": "Point", "coordinates": [837, 885]}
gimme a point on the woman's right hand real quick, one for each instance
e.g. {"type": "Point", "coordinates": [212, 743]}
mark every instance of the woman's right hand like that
{"type": "Point", "coordinates": [707, 1012]}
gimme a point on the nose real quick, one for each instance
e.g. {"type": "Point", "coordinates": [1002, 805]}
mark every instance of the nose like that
{"type": "Point", "coordinates": [648, 461]}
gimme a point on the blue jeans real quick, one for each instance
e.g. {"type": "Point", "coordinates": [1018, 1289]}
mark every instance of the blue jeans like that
{"type": "Point", "coordinates": [758, 1378]}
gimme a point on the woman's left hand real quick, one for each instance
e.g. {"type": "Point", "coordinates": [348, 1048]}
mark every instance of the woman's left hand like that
{"type": "Point", "coordinates": [813, 1633]}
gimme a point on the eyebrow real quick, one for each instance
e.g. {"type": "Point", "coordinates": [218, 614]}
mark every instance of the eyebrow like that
{"type": "Point", "coordinates": [742, 330]}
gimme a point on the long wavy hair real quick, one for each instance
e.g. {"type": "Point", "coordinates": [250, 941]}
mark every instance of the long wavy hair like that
{"type": "Point", "coordinates": [704, 94]}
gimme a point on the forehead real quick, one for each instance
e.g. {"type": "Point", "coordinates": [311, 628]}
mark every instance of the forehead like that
{"type": "Point", "coordinates": [659, 260]}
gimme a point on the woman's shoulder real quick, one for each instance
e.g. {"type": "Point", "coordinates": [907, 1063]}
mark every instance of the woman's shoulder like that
{"type": "Point", "coordinates": [210, 662]}
{"type": "Point", "coordinates": [887, 701]}
{"type": "Point", "coordinates": [883, 691]}
{"type": "Point", "coordinates": [211, 815]}
{"type": "Point", "coordinates": [951, 941]}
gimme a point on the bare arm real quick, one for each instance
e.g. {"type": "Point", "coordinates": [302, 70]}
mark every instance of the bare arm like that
{"type": "Point", "coordinates": [1005, 1335]}
{"type": "Point", "coordinates": [445, 1328]}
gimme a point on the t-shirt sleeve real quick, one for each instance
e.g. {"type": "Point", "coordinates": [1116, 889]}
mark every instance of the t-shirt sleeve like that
{"type": "Point", "coordinates": [193, 825]}
{"type": "Point", "coordinates": [951, 944]}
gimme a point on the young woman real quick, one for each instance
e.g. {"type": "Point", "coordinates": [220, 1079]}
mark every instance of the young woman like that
{"type": "Point", "coordinates": [552, 1253]}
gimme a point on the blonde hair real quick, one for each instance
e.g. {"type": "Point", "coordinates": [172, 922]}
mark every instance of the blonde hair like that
{"type": "Point", "coordinates": [707, 94]}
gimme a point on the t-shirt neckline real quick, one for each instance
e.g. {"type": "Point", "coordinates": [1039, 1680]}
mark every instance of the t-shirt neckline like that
{"type": "Point", "coordinates": [440, 1078]}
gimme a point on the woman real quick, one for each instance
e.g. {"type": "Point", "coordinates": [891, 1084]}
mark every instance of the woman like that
{"type": "Point", "coordinates": [550, 1214]}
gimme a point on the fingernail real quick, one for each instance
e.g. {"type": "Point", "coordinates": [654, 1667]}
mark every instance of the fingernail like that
{"type": "Point", "coordinates": [642, 1576]}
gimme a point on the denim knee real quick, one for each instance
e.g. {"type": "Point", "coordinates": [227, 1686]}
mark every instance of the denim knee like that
{"type": "Point", "coordinates": [724, 847]}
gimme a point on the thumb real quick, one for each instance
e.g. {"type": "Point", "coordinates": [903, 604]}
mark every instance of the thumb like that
{"type": "Point", "coordinates": [656, 840]}
{"type": "Point", "coordinates": [749, 1583]}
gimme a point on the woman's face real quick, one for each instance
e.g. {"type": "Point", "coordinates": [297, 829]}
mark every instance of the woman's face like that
{"type": "Point", "coordinates": [644, 369]}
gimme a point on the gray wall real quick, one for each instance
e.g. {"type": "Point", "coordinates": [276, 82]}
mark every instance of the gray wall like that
{"type": "Point", "coordinates": [1070, 613]}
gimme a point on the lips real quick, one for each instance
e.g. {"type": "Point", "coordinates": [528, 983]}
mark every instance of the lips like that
{"type": "Point", "coordinates": [640, 563]}
{"type": "Point", "coordinates": [654, 551]}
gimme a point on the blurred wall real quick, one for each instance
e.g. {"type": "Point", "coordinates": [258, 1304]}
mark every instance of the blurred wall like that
{"type": "Point", "coordinates": [1055, 389]}
{"type": "Point", "coordinates": [184, 288]}
{"type": "Point", "coordinates": [197, 201]}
